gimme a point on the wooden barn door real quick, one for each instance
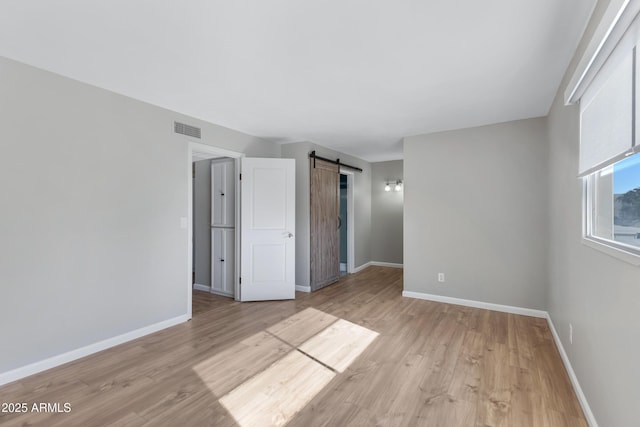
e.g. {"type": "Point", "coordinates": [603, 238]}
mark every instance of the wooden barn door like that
{"type": "Point", "coordinates": [325, 237]}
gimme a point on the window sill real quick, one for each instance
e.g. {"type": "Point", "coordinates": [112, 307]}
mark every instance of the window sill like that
{"type": "Point", "coordinates": [619, 253]}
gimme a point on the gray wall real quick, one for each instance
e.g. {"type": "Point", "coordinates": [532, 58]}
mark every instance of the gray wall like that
{"type": "Point", "coordinates": [93, 188]}
{"type": "Point", "coordinates": [202, 222]}
{"type": "Point", "coordinates": [386, 213]}
{"type": "Point", "coordinates": [362, 205]}
{"type": "Point", "coordinates": [476, 209]}
{"type": "Point", "coordinates": [598, 294]}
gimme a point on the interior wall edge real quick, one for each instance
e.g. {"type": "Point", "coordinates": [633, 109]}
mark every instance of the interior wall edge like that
{"type": "Point", "coordinates": [588, 413]}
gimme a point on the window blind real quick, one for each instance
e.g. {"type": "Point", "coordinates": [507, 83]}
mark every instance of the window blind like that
{"type": "Point", "coordinates": [608, 107]}
{"type": "Point", "coordinates": [606, 116]}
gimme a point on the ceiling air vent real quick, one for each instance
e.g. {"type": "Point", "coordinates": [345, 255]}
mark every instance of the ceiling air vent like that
{"type": "Point", "coordinates": [188, 130]}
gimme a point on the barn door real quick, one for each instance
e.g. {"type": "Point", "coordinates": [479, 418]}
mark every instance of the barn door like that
{"type": "Point", "coordinates": [325, 210]}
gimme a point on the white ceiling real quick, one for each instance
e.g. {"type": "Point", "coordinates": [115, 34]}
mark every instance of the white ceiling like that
{"type": "Point", "coordinates": [352, 75]}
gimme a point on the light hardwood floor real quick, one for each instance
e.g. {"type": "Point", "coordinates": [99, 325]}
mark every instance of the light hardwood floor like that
{"type": "Point", "coordinates": [421, 364]}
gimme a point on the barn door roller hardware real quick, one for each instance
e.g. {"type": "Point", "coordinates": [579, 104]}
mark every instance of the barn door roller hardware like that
{"type": "Point", "coordinates": [313, 156]}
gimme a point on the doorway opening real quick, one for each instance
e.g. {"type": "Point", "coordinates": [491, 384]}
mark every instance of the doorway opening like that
{"type": "Point", "coordinates": [259, 237]}
{"type": "Point", "coordinates": [343, 218]}
{"type": "Point", "coordinates": [202, 249]}
{"type": "Point", "coordinates": [347, 223]}
{"type": "Point", "coordinates": [214, 214]}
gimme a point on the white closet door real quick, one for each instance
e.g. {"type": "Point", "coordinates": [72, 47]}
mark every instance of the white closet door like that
{"type": "Point", "coordinates": [223, 261]}
{"type": "Point", "coordinates": [230, 193]}
{"type": "Point", "coordinates": [223, 193]}
{"type": "Point", "coordinates": [229, 261]}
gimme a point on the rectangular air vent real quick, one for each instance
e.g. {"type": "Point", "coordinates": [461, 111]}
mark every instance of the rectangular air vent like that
{"type": "Point", "coordinates": [185, 129]}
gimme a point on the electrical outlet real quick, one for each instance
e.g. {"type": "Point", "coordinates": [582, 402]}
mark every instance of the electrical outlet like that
{"type": "Point", "coordinates": [440, 277]}
{"type": "Point", "coordinates": [570, 333]}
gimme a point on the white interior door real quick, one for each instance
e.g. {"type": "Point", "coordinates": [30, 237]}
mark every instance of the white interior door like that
{"type": "Point", "coordinates": [267, 218]}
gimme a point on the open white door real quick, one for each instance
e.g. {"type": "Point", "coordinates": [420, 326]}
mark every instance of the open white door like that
{"type": "Point", "coordinates": [267, 224]}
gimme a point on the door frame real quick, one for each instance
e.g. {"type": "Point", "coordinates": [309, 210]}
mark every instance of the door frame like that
{"type": "Point", "coordinates": [350, 218]}
{"type": "Point", "coordinates": [209, 150]}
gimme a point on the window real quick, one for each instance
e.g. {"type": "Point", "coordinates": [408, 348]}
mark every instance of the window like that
{"type": "Point", "coordinates": [609, 152]}
{"type": "Point", "coordinates": [613, 205]}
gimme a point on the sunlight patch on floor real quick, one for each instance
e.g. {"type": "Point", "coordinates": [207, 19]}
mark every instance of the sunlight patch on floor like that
{"type": "Point", "coordinates": [267, 378]}
{"type": "Point", "coordinates": [340, 344]}
{"type": "Point", "coordinates": [274, 396]}
{"type": "Point", "coordinates": [224, 371]}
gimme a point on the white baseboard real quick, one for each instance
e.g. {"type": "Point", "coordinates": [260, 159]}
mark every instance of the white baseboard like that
{"type": "Point", "coordinates": [61, 359]}
{"type": "Point", "coordinates": [477, 304]}
{"type": "Point", "coordinates": [378, 264]}
{"type": "Point", "coordinates": [205, 288]}
{"type": "Point", "coordinates": [591, 419]}
{"type": "Point", "coordinates": [222, 294]}
{"type": "Point", "coordinates": [362, 267]}
{"type": "Point", "coordinates": [300, 288]}
{"type": "Point", "coordinates": [386, 264]}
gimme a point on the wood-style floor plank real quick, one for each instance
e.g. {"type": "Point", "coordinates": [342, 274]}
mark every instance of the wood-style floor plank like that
{"type": "Point", "coordinates": [429, 364]}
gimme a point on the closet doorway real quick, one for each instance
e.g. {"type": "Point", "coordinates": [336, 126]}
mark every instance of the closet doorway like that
{"type": "Point", "coordinates": [202, 247]}
{"type": "Point", "coordinates": [343, 224]}
{"type": "Point", "coordinates": [347, 230]}
{"type": "Point", "coordinates": [214, 219]}
{"type": "Point", "coordinates": [259, 225]}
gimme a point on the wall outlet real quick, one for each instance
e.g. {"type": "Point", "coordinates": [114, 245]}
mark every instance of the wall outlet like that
{"type": "Point", "coordinates": [440, 277]}
{"type": "Point", "coordinates": [570, 333]}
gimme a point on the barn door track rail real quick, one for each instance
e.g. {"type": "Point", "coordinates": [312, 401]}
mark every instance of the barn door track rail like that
{"type": "Point", "coordinates": [314, 156]}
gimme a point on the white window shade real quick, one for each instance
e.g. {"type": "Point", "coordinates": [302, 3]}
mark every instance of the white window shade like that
{"type": "Point", "coordinates": [606, 114]}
